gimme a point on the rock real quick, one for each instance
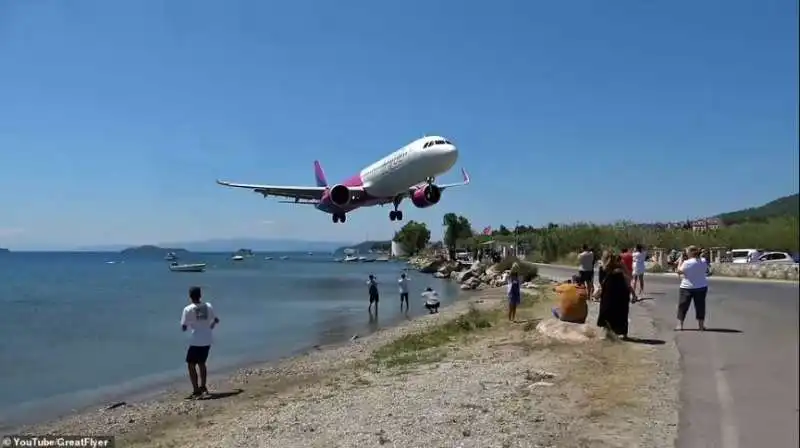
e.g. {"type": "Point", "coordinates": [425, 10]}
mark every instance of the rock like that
{"type": "Point", "coordinates": [465, 287]}
{"type": "Point", "coordinates": [569, 332]}
{"type": "Point", "coordinates": [464, 276]}
{"type": "Point", "coordinates": [439, 274]}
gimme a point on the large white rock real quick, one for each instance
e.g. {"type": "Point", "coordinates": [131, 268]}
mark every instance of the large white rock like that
{"type": "Point", "coordinates": [569, 332]}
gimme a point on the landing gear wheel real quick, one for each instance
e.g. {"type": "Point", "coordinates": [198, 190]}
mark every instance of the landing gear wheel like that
{"type": "Point", "coordinates": [399, 215]}
{"type": "Point", "coordinates": [396, 215]}
{"type": "Point", "coordinates": [392, 215]}
{"type": "Point", "coordinates": [339, 217]}
{"type": "Point", "coordinates": [343, 218]}
{"type": "Point", "coordinates": [335, 218]}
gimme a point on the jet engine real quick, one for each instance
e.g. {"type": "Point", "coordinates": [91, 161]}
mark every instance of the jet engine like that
{"type": "Point", "coordinates": [340, 195]}
{"type": "Point", "coordinates": [426, 196]}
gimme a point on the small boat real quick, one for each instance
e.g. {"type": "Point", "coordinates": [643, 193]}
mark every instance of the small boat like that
{"type": "Point", "coordinates": [382, 259]}
{"type": "Point", "coordinates": [237, 258]}
{"type": "Point", "coordinates": [338, 260]}
{"type": "Point", "coordinates": [171, 256]}
{"type": "Point", "coordinates": [284, 257]}
{"type": "Point", "coordinates": [350, 258]}
{"type": "Point", "coordinates": [311, 253]}
{"type": "Point", "coordinates": [368, 260]}
{"type": "Point", "coordinates": [362, 258]}
{"type": "Point", "coordinates": [268, 258]}
{"type": "Point", "coordinates": [197, 267]}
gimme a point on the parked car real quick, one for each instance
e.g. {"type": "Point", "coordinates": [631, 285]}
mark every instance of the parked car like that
{"type": "Point", "coordinates": [776, 257]}
{"type": "Point", "coordinates": [745, 255]}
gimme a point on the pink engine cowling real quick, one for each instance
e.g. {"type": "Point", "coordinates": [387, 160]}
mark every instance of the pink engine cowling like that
{"type": "Point", "coordinates": [426, 196]}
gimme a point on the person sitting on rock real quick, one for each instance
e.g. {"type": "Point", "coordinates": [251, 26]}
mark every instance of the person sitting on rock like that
{"type": "Point", "coordinates": [572, 298]}
{"type": "Point", "coordinates": [431, 300]}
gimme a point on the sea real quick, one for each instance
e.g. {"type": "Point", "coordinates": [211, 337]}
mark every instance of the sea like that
{"type": "Point", "coordinates": [81, 329]}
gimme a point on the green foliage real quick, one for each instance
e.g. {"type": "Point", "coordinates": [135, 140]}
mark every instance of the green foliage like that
{"type": "Point", "coordinates": [527, 271]}
{"type": "Point", "coordinates": [458, 228]}
{"type": "Point", "coordinates": [413, 236]}
{"type": "Point", "coordinates": [366, 246]}
{"type": "Point", "coordinates": [422, 346]}
{"type": "Point", "coordinates": [556, 242]}
{"type": "Point", "coordinates": [787, 206]}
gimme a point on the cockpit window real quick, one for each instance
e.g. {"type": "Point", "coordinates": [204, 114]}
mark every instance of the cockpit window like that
{"type": "Point", "coordinates": [439, 142]}
{"type": "Point", "coordinates": [448, 142]}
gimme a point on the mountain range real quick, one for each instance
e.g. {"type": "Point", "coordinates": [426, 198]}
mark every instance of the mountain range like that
{"type": "Point", "coordinates": [233, 244]}
{"type": "Point", "coordinates": [784, 206]}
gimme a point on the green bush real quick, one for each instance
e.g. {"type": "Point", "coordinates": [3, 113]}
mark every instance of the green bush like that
{"type": "Point", "coordinates": [527, 271]}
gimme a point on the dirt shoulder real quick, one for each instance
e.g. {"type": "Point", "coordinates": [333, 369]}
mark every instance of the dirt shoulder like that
{"type": "Point", "coordinates": [464, 377]}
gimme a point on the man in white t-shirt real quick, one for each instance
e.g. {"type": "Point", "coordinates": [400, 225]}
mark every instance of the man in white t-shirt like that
{"type": "Point", "coordinates": [198, 316]}
{"type": "Point", "coordinates": [639, 257]}
{"type": "Point", "coordinates": [402, 284]}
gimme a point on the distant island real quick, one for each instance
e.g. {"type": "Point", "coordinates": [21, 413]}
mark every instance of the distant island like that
{"type": "Point", "coordinates": [152, 250]}
{"type": "Point", "coordinates": [3, 250]}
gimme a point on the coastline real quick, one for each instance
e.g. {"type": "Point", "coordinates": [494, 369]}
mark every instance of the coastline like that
{"type": "Point", "coordinates": [478, 389]}
{"type": "Point", "coordinates": [156, 396]}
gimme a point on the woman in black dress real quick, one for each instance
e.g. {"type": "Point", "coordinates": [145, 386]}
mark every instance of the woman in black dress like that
{"type": "Point", "coordinates": [615, 296]}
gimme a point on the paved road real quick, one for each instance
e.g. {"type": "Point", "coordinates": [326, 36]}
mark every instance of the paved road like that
{"type": "Point", "coordinates": [740, 384]}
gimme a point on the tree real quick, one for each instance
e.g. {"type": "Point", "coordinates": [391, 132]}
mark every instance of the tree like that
{"type": "Point", "coordinates": [413, 237]}
{"type": "Point", "coordinates": [458, 228]}
{"type": "Point", "coordinates": [503, 231]}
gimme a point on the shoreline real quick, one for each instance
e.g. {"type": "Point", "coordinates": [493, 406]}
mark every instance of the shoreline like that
{"type": "Point", "coordinates": [170, 391]}
{"type": "Point", "coordinates": [505, 384]}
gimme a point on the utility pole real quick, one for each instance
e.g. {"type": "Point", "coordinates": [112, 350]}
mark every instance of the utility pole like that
{"type": "Point", "coordinates": [516, 239]}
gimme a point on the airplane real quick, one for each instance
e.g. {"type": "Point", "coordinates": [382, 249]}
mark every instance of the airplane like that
{"type": "Point", "coordinates": [409, 172]}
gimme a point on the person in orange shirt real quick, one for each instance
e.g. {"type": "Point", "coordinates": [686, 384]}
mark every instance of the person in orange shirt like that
{"type": "Point", "coordinates": [572, 297]}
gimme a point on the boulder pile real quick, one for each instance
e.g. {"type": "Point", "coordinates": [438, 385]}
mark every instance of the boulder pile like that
{"type": "Point", "coordinates": [473, 276]}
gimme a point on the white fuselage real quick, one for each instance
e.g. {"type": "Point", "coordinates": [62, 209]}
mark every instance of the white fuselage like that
{"type": "Point", "coordinates": [413, 164]}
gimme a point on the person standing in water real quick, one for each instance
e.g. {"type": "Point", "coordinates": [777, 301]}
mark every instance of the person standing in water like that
{"type": "Point", "coordinates": [372, 285]}
{"type": "Point", "coordinates": [514, 295]}
{"type": "Point", "coordinates": [198, 316]}
{"type": "Point", "coordinates": [402, 283]}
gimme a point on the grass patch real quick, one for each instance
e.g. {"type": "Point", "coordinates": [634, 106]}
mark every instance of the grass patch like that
{"type": "Point", "coordinates": [425, 346]}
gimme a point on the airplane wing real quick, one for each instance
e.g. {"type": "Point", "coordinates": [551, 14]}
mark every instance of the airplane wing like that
{"type": "Point", "coordinates": [443, 187]}
{"type": "Point", "coordinates": [285, 191]}
{"type": "Point", "coordinates": [465, 176]}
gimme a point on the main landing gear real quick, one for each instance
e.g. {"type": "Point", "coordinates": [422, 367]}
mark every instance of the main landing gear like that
{"type": "Point", "coordinates": [339, 217]}
{"type": "Point", "coordinates": [396, 215]}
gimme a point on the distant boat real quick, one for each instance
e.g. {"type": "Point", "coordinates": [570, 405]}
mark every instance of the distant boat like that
{"type": "Point", "coordinates": [197, 267]}
{"type": "Point", "coordinates": [367, 260]}
{"type": "Point", "coordinates": [171, 256]}
{"type": "Point", "coordinates": [338, 260]}
{"type": "Point", "coordinates": [350, 258]}
{"type": "Point", "coordinates": [382, 259]}
{"type": "Point", "coordinates": [268, 258]}
{"type": "Point", "coordinates": [237, 258]}
{"type": "Point", "coordinates": [284, 257]}
{"type": "Point", "coordinates": [362, 258]}
{"type": "Point", "coordinates": [311, 253]}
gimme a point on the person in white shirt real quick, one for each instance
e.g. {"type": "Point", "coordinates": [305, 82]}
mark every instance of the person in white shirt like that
{"type": "Point", "coordinates": [198, 316]}
{"type": "Point", "coordinates": [693, 288]}
{"type": "Point", "coordinates": [639, 257]}
{"type": "Point", "coordinates": [431, 300]}
{"type": "Point", "coordinates": [402, 284]}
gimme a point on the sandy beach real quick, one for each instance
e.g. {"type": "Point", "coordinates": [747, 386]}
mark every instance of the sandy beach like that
{"type": "Point", "coordinates": [463, 377]}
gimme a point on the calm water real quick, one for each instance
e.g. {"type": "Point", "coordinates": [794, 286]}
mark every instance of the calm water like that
{"type": "Point", "coordinates": [76, 329]}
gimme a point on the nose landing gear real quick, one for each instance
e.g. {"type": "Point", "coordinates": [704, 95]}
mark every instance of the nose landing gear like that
{"type": "Point", "coordinates": [339, 217]}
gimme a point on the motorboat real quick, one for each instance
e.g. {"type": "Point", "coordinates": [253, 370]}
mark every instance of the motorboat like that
{"type": "Point", "coordinates": [237, 258]}
{"type": "Point", "coordinates": [171, 256]}
{"type": "Point", "coordinates": [284, 257]}
{"type": "Point", "coordinates": [350, 258]}
{"type": "Point", "coordinates": [196, 267]}
{"type": "Point", "coordinates": [268, 258]}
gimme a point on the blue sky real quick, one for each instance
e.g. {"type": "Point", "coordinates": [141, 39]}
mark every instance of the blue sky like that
{"type": "Point", "coordinates": [117, 117]}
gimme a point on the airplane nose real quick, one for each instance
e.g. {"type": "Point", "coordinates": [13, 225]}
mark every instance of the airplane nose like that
{"type": "Point", "coordinates": [449, 155]}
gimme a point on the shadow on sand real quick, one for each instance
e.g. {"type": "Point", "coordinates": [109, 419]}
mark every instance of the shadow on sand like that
{"type": "Point", "coordinates": [218, 395]}
{"type": "Point", "coordinates": [645, 341]}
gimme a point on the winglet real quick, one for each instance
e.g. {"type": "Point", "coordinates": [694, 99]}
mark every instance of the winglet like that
{"type": "Point", "coordinates": [466, 176]}
{"type": "Point", "coordinates": [319, 174]}
{"type": "Point", "coordinates": [220, 182]}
